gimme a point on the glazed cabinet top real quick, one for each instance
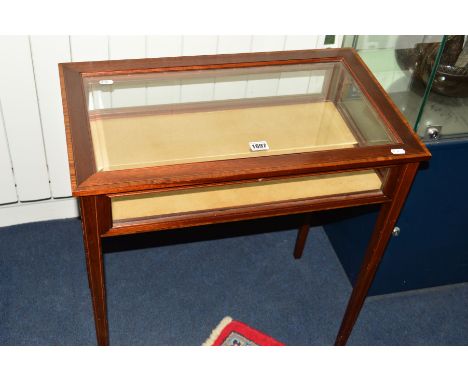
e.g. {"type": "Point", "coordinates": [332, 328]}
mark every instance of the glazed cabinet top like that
{"type": "Point", "coordinates": [157, 123]}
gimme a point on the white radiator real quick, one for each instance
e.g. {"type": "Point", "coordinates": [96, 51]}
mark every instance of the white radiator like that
{"type": "Point", "coordinates": [34, 176]}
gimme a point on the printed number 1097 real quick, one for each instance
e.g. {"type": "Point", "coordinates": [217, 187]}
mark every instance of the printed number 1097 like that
{"type": "Point", "coordinates": [258, 146]}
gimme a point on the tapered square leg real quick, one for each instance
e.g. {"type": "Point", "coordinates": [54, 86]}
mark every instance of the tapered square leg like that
{"type": "Point", "coordinates": [386, 220]}
{"type": "Point", "coordinates": [94, 218]}
{"type": "Point", "coordinates": [302, 237]}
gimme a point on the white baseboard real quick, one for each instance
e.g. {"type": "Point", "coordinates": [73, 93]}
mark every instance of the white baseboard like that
{"type": "Point", "coordinates": [20, 213]}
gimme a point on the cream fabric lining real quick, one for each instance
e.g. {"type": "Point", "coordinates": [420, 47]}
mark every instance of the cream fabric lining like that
{"type": "Point", "coordinates": [152, 140]}
{"type": "Point", "coordinates": [199, 199]}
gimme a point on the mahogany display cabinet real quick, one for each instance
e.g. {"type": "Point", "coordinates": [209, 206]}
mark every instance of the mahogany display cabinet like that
{"type": "Point", "coordinates": [167, 143]}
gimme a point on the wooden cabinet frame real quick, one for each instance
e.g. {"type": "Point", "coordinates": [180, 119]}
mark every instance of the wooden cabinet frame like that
{"type": "Point", "coordinates": [96, 189]}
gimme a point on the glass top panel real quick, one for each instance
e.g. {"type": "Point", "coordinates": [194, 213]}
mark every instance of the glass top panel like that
{"type": "Point", "coordinates": [143, 120]}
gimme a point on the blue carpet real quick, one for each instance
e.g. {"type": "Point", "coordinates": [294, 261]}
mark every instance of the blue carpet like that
{"type": "Point", "coordinates": [173, 288]}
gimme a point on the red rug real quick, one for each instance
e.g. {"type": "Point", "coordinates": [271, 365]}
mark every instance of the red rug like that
{"type": "Point", "coordinates": [235, 333]}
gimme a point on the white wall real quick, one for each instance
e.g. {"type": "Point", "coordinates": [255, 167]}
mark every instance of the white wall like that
{"type": "Point", "coordinates": [34, 177]}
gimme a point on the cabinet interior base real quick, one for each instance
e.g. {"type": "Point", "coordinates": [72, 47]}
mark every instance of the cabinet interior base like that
{"type": "Point", "coordinates": [124, 142]}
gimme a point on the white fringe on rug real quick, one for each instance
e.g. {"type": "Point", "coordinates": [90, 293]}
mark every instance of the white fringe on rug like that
{"type": "Point", "coordinates": [217, 331]}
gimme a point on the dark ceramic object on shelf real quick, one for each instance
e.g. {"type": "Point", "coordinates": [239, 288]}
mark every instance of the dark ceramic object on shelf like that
{"type": "Point", "coordinates": [450, 79]}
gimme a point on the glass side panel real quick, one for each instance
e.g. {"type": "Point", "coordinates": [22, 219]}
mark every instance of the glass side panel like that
{"type": "Point", "coordinates": [401, 65]}
{"type": "Point", "coordinates": [204, 115]}
{"type": "Point", "coordinates": [445, 113]}
{"type": "Point", "coordinates": [237, 195]}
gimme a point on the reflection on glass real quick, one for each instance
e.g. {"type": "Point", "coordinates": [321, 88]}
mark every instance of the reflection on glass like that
{"type": "Point", "coordinates": [404, 64]}
{"type": "Point", "coordinates": [445, 114]}
{"type": "Point", "coordinates": [166, 118]}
